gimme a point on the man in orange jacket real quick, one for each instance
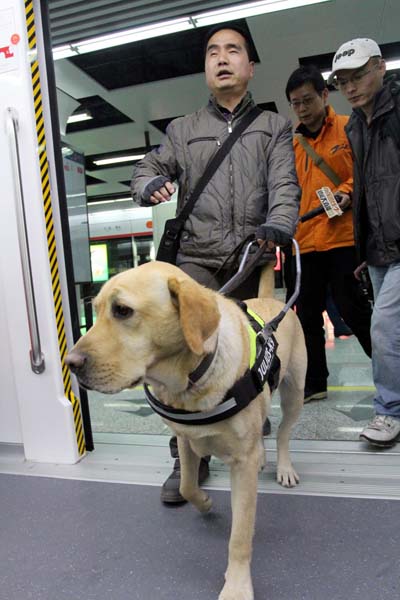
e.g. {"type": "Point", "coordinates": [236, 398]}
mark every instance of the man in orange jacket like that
{"type": "Point", "coordinates": [328, 255]}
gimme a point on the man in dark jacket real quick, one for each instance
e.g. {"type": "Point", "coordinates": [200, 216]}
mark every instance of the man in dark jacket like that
{"type": "Point", "coordinates": [254, 190]}
{"type": "Point", "coordinates": [374, 133]}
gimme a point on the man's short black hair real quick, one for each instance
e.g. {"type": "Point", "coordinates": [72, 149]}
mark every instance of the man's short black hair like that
{"type": "Point", "coordinates": [237, 28]}
{"type": "Point", "coordinates": [303, 75]}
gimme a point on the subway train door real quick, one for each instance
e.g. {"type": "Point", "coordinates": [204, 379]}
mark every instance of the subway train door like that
{"type": "Point", "coordinates": [39, 407]}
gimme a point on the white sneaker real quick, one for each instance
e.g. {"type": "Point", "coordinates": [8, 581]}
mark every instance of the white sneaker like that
{"type": "Point", "coordinates": [383, 430]}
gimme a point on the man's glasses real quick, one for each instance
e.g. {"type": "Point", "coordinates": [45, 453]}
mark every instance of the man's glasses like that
{"type": "Point", "coordinates": [307, 101]}
{"type": "Point", "coordinates": [342, 82]}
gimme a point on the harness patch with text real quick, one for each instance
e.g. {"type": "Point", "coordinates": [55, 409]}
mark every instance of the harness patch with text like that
{"type": "Point", "coordinates": [267, 365]}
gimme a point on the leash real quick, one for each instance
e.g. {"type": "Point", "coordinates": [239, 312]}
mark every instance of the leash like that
{"type": "Point", "coordinates": [243, 273]}
{"type": "Point", "coordinates": [246, 267]}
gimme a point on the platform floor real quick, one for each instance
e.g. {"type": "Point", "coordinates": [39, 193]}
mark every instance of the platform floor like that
{"type": "Point", "coordinates": [341, 417]}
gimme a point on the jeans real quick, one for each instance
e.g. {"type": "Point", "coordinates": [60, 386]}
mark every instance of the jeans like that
{"type": "Point", "coordinates": [385, 336]}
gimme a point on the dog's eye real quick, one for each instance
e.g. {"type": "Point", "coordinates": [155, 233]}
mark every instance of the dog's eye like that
{"type": "Point", "coordinates": [120, 311]}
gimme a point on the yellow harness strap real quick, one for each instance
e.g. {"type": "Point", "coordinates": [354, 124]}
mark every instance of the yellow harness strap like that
{"type": "Point", "coordinates": [253, 336]}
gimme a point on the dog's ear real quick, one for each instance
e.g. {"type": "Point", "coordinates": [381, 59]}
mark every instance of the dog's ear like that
{"type": "Point", "coordinates": [198, 311]}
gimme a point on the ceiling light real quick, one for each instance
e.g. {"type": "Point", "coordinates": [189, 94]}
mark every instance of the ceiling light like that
{"type": "Point", "coordinates": [250, 9]}
{"type": "Point", "coordinates": [123, 37]}
{"type": "Point", "coordinates": [118, 159]}
{"type": "Point", "coordinates": [136, 34]}
{"type": "Point", "coordinates": [391, 65]}
{"type": "Point", "coordinates": [64, 52]}
{"type": "Point", "coordinates": [101, 202]}
{"type": "Point", "coordinates": [79, 117]}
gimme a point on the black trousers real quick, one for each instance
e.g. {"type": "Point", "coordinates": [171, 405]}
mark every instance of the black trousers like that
{"type": "Point", "coordinates": [207, 277]}
{"type": "Point", "coordinates": [318, 271]}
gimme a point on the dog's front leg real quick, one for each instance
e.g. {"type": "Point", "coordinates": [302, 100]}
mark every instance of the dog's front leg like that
{"type": "Point", "coordinates": [244, 479]}
{"type": "Point", "coordinates": [189, 487]}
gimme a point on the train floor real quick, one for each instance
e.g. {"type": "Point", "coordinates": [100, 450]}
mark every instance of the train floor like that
{"type": "Point", "coordinates": [92, 540]}
{"type": "Point", "coordinates": [98, 531]}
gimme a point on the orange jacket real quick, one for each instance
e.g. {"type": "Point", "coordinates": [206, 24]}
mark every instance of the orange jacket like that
{"type": "Point", "coordinates": [320, 233]}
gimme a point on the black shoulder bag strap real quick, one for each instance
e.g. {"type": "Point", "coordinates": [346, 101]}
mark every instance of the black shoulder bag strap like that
{"type": "Point", "coordinates": [213, 166]}
{"type": "Point", "coordinates": [170, 241]}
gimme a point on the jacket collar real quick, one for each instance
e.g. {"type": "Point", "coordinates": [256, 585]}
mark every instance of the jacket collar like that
{"type": "Point", "coordinates": [328, 121]}
{"type": "Point", "coordinates": [244, 105]}
{"type": "Point", "coordinates": [383, 101]}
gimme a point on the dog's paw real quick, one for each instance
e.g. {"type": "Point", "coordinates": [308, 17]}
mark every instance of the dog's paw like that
{"type": "Point", "coordinates": [236, 592]}
{"type": "Point", "coordinates": [205, 505]}
{"type": "Point", "coordinates": [287, 476]}
{"type": "Point", "coordinates": [201, 501]}
{"type": "Point", "coordinates": [238, 584]}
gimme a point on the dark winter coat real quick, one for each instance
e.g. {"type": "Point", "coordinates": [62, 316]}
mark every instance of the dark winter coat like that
{"type": "Point", "coordinates": [376, 194]}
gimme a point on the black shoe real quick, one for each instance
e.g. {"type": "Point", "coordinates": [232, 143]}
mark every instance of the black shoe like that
{"type": "Point", "coordinates": [343, 331]}
{"type": "Point", "coordinates": [170, 490]}
{"type": "Point", "coordinates": [315, 394]}
{"type": "Point", "coordinates": [266, 427]}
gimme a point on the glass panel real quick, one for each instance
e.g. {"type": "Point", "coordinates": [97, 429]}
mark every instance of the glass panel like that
{"type": "Point", "coordinates": [129, 116]}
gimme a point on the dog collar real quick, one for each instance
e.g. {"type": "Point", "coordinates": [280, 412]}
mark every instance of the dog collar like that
{"type": "Point", "coordinates": [264, 368]}
{"type": "Point", "coordinates": [199, 371]}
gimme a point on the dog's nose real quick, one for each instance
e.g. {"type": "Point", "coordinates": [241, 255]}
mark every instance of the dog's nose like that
{"type": "Point", "coordinates": [75, 361]}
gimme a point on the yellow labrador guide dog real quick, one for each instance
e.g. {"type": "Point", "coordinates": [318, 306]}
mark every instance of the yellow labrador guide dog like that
{"type": "Point", "coordinates": [156, 326]}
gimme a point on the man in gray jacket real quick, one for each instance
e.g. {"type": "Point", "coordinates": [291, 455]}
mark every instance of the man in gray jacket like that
{"type": "Point", "coordinates": [254, 190]}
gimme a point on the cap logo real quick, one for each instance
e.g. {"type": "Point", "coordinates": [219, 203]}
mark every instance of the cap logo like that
{"type": "Point", "coordinates": [345, 53]}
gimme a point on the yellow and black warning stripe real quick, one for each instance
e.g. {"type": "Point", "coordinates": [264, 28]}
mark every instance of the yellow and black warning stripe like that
{"type": "Point", "coordinates": [48, 214]}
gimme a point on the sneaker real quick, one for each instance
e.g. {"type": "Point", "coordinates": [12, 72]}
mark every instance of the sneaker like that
{"type": "Point", "coordinates": [170, 490]}
{"type": "Point", "coordinates": [310, 394]}
{"type": "Point", "coordinates": [383, 430]}
{"type": "Point", "coordinates": [266, 427]}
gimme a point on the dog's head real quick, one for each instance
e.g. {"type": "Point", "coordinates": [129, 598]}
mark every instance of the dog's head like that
{"type": "Point", "coordinates": [148, 316]}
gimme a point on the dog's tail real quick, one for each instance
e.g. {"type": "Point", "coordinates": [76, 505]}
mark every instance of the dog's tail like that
{"type": "Point", "coordinates": [266, 287]}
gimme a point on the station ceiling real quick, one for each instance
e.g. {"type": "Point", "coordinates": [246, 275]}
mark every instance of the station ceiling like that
{"type": "Point", "coordinates": [133, 91]}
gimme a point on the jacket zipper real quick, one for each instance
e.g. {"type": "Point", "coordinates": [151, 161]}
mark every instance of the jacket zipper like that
{"type": "Point", "coordinates": [229, 122]}
{"type": "Point", "coordinates": [204, 139]}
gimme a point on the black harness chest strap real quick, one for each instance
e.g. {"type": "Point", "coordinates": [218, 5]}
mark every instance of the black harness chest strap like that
{"type": "Point", "coordinates": [265, 369]}
{"type": "Point", "coordinates": [238, 397]}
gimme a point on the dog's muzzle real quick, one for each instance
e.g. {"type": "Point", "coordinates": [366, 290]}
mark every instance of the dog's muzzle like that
{"type": "Point", "coordinates": [77, 363]}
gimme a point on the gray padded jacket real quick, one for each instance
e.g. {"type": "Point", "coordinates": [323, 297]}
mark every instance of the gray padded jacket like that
{"type": "Point", "coordinates": [255, 184]}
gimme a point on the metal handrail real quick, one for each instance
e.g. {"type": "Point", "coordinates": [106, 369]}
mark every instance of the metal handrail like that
{"type": "Point", "coordinates": [35, 353]}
